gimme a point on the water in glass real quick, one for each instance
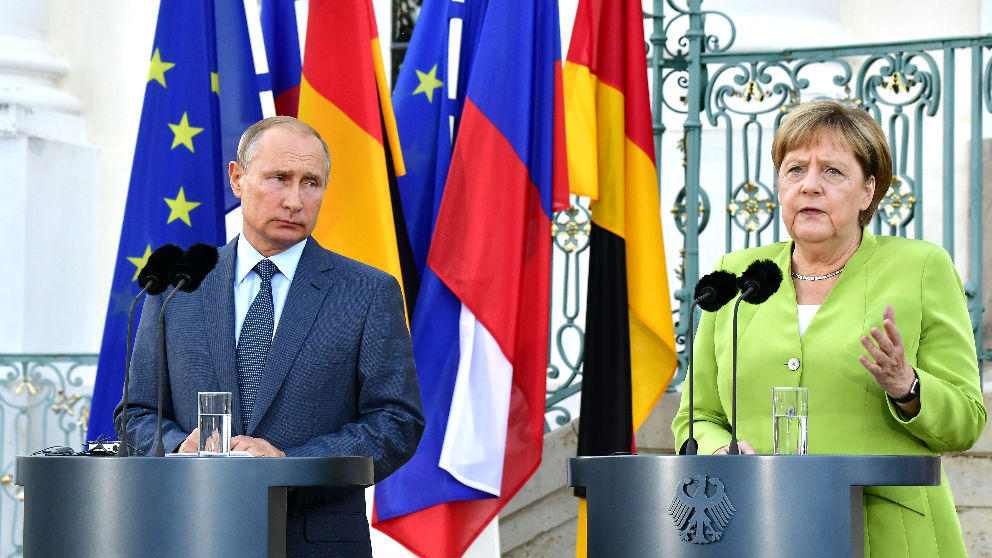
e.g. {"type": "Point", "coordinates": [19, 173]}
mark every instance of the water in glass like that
{"type": "Point", "coordinates": [789, 415]}
{"type": "Point", "coordinates": [789, 437]}
{"type": "Point", "coordinates": [214, 423]}
{"type": "Point", "coordinates": [215, 435]}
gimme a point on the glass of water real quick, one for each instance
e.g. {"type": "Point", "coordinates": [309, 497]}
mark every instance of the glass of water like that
{"type": "Point", "coordinates": [215, 423]}
{"type": "Point", "coordinates": [789, 416]}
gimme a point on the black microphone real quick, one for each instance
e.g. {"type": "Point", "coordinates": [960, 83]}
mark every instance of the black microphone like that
{"type": "Point", "coordinates": [187, 275]}
{"type": "Point", "coordinates": [713, 291]}
{"type": "Point", "coordinates": [758, 282]}
{"type": "Point", "coordinates": [153, 279]}
{"type": "Point", "coordinates": [190, 270]}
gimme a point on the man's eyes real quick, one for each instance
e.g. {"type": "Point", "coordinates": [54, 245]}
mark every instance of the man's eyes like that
{"type": "Point", "coordinates": [281, 178]}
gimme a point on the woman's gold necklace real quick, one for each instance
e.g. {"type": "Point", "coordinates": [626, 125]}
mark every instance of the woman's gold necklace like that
{"type": "Point", "coordinates": [816, 277]}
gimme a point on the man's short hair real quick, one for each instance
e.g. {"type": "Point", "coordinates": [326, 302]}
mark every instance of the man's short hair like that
{"type": "Point", "coordinates": [248, 145]}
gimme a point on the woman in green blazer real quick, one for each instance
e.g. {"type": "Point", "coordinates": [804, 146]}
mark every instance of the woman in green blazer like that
{"type": "Point", "coordinates": [876, 327]}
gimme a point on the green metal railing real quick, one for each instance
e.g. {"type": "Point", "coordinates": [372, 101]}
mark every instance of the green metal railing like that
{"type": "Point", "coordinates": [44, 401]}
{"type": "Point", "coordinates": [570, 231]}
{"type": "Point", "coordinates": [728, 104]}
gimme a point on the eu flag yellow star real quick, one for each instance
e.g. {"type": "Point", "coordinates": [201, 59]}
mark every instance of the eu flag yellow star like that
{"type": "Point", "coordinates": [140, 261]}
{"type": "Point", "coordinates": [179, 208]}
{"type": "Point", "coordinates": [428, 83]}
{"type": "Point", "coordinates": [122, 301]}
{"type": "Point", "coordinates": [215, 83]}
{"type": "Point", "coordinates": [157, 68]}
{"type": "Point", "coordinates": [183, 133]}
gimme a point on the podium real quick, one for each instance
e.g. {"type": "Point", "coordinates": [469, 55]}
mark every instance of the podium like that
{"type": "Point", "coordinates": [169, 506]}
{"type": "Point", "coordinates": [747, 505]}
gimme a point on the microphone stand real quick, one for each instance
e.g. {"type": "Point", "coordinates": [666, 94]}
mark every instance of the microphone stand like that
{"type": "Point", "coordinates": [123, 450]}
{"type": "Point", "coordinates": [734, 449]}
{"type": "Point", "coordinates": [159, 449]}
{"type": "Point", "coordinates": [691, 447]}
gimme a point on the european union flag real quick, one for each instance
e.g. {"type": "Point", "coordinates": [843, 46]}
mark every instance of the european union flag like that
{"type": "Point", "coordinates": [178, 177]}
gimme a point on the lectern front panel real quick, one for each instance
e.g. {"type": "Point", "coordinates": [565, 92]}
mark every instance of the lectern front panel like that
{"type": "Point", "coordinates": [734, 506]}
{"type": "Point", "coordinates": [179, 506]}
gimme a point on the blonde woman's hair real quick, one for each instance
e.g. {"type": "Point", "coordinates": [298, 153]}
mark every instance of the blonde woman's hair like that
{"type": "Point", "coordinates": [859, 130]}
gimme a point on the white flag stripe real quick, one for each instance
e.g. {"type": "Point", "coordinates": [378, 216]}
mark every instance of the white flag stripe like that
{"type": "Point", "coordinates": [475, 438]}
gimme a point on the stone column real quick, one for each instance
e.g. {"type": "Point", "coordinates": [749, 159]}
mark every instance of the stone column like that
{"type": "Point", "coordinates": [48, 202]}
{"type": "Point", "coordinates": [48, 195]}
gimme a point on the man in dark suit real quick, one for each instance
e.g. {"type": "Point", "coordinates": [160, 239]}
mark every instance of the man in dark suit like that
{"type": "Point", "coordinates": [313, 346]}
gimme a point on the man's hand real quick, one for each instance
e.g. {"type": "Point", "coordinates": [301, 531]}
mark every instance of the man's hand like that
{"type": "Point", "coordinates": [257, 447]}
{"type": "Point", "coordinates": [191, 444]}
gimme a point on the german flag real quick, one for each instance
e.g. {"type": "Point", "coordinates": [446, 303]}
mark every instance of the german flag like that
{"type": "Point", "coordinates": [630, 352]}
{"type": "Point", "coordinates": [344, 95]}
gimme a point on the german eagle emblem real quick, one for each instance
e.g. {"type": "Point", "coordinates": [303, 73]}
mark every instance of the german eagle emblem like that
{"type": "Point", "coordinates": [701, 509]}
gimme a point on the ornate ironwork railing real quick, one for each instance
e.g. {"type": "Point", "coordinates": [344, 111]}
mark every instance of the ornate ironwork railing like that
{"type": "Point", "coordinates": [723, 107]}
{"type": "Point", "coordinates": [570, 231]}
{"type": "Point", "coordinates": [909, 87]}
{"type": "Point", "coordinates": [44, 401]}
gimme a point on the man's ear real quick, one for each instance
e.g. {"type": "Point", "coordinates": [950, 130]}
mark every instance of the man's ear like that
{"type": "Point", "coordinates": [236, 174]}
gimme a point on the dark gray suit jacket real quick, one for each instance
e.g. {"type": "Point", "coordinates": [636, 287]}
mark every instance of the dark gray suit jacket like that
{"type": "Point", "coordinates": [339, 380]}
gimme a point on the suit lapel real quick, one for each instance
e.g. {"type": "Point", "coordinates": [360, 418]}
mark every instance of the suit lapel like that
{"type": "Point", "coordinates": [217, 294]}
{"type": "Point", "coordinates": [768, 333]}
{"type": "Point", "coordinates": [783, 298]}
{"type": "Point", "coordinates": [306, 294]}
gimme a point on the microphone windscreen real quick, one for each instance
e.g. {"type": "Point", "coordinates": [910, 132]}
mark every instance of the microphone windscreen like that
{"type": "Point", "coordinates": [765, 276]}
{"type": "Point", "coordinates": [194, 266]}
{"type": "Point", "coordinates": [723, 288]}
{"type": "Point", "coordinates": [155, 273]}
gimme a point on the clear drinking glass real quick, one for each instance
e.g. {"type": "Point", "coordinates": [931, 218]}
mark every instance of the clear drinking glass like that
{"type": "Point", "coordinates": [789, 417]}
{"type": "Point", "coordinates": [215, 423]}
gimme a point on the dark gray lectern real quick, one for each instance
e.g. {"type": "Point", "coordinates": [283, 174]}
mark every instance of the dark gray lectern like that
{"type": "Point", "coordinates": [169, 506]}
{"type": "Point", "coordinates": [748, 505]}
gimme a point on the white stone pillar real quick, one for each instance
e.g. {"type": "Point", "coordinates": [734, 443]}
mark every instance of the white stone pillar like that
{"type": "Point", "coordinates": [48, 195]}
{"type": "Point", "coordinates": [28, 67]}
{"type": "Point", "coordinates": [48, 199]}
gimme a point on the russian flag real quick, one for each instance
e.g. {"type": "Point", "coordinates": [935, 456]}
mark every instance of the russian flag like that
{"type": "Point", "coordinates": [280, 31]}
{"type": "Point", "coordinates": [480, 326]}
